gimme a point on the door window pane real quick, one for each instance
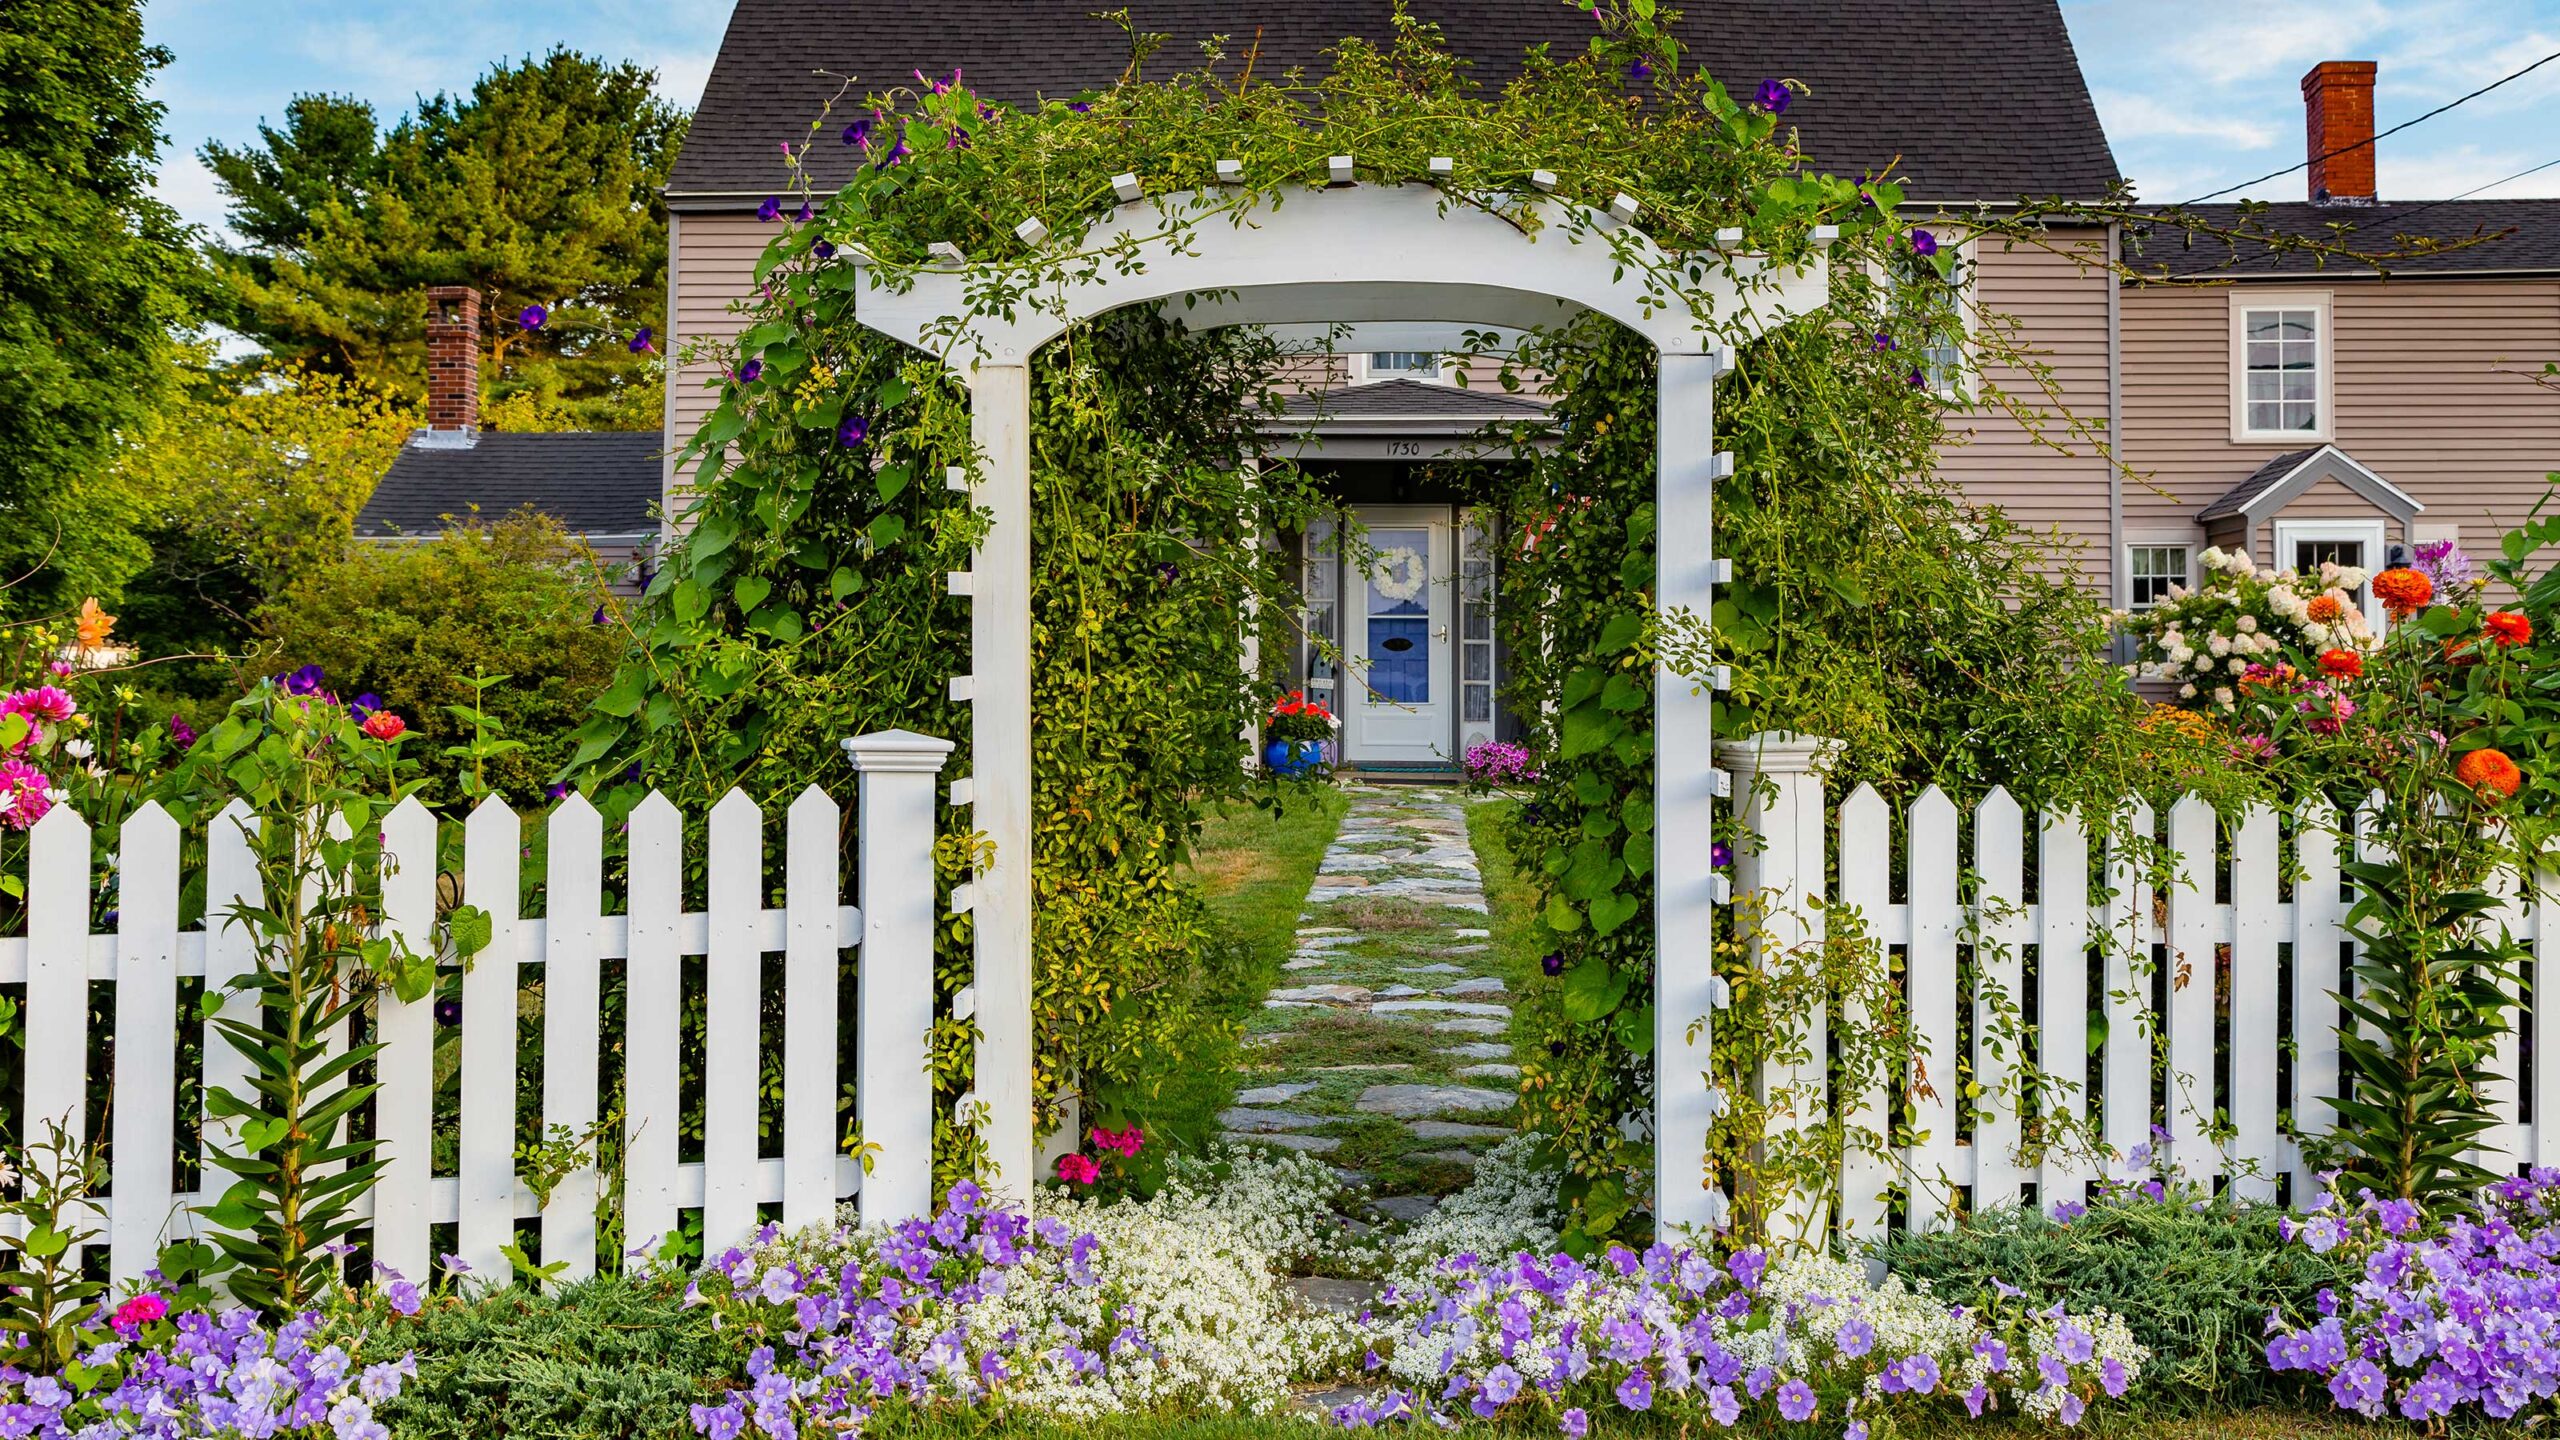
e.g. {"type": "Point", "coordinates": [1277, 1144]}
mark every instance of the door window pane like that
{"type": "Point", "coordinates": [1399, 618]}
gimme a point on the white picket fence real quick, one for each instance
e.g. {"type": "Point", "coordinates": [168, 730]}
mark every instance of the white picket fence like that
{"type": "Point", "coordinates": [146, 953]}
{"type": "Point", "coordinates": [2279, 1058]}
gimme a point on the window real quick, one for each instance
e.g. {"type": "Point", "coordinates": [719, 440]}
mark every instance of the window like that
{"type": "Point", "coordinates": [1948, 302]}
{"type": "Point", "coordinates": [2151, 570]}
{"type": "Point", "coordinates": [1475, 628]}
{"type": "Point", "coordinates": [1323, 568]}
{"type": "Point", "coordinates": [2302, 545]}
{"type": "Point", "coordinates": [2280, 367]}
{"type": "Point", "coordinates": [1404, 365]}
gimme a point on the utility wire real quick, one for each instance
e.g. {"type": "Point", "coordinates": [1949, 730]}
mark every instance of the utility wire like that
{"type": "Point", "coordinates": [2385, 135]}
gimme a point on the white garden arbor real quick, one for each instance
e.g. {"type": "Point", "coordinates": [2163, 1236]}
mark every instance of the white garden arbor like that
{"type": "Point", "coordinates": [1350, 254]}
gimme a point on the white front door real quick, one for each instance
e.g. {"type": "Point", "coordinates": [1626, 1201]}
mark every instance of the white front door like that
{"type": "Point", "coordinates": [1396, 637]}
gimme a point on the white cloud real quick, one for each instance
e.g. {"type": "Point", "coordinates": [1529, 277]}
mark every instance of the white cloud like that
{"type": "Point", "coordinates": [186, 186]}
{"type": "Point", "coordinates": [2134, 115]}
{"type": "Point", "coordinates": [682, 76]}
{"type": "Point", "coordinates": [2272, 39]}
{"type": "Point", "coordinates": [2454, 170]}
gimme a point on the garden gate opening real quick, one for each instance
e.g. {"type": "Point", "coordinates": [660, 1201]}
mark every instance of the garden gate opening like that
{"type": "Point", "coordinates": [1361, 256]}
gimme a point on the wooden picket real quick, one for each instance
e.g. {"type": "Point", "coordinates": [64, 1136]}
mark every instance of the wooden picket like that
{"type": "Point", "coordinates": [800, 1175]}
{"type": "Point", "coordinates": [2216, 997]}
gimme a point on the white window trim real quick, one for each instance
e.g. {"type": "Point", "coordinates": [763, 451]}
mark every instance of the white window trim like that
{"type": "Point", "coordinates": [1359, 373]}
{"type": "Point", "coordinates": [1968, 312]}
{"type": "Point", "coordinates": [2146, 542]}
{"type": "Point", "coordinates": [2375, 534]}
{"type": "Point", "coordinates": [2324, 342]}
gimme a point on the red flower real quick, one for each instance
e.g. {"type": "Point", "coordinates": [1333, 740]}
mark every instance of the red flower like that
{"type": "Point", "coordinates": [1078, 1169]}
{"type": "Point", "coordinates": [2402, 591]}
{"type": "Point", "coordinates": [2341, 664]}
{"type": "Point", "coordinates": [2490, 773]}
{"type": "Point", "coordinates": [2508, 627]}
{"type": "Point", "coordinates": [137, 1312]}
{"type": "Point", "coordinates": [383, 725]}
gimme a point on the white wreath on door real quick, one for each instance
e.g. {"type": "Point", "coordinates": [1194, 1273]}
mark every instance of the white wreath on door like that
{"type": "Point", "coordinates": [1400, 573]}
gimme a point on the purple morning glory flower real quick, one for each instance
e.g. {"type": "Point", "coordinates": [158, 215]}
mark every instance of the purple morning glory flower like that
{"type": "Point", "coordinates": [305, 681]}
{"type": "Point", "coordinates": [559, 790]}
{"type": "Point", "coordinates": [853, 431]}
{"type": "Point", "coordinates": [448, 1012]}
{"type": "Point", "coordinates": [893, 155]}
{"type": "Point", "coordinates": [363, 705]}
{"type": "Point", "coordinates": [1773, 96]}
{"type": "Point", "coordinates": [1720, 855]}
{"type": "Point", "coordinates": [1923, 243]}
{"type": "Point", "coordinates": [1639, 69]}
{"type": "Point", "coordinates": [824, 250]}
{"type": "Point", "coordinates": [1080, 107]}
{"type": "Point", "coordinates": [644, 341]}
{"type": "Point", "coordinates": [751, 372]}
{"type": "Point", "coordinates": [802, 217]}
{"type": "Point", "coordinates": [532, 317]}
{"type": "Point", "coordinates": [858, 133]}
{"type": "Point", "coordinates": [1884, 342]}
{"type": "Point", "coordinates": [770, 210]}
{"type": "Point", "coordinates": [1552, 962]}
{"type": "Point", "coordinates": [1916, 380]}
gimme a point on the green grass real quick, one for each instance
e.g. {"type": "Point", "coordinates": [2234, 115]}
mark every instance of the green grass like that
{"type": "Point", "coordinates": [1255, 870]}
{"type": "Point", "coordinates": [1511, 900]}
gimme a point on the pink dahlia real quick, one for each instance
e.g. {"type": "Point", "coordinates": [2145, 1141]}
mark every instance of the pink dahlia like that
{"type": "Point", "coordinates": [49, 703]}
{"type": "Point", "coordinates": [22, 794]}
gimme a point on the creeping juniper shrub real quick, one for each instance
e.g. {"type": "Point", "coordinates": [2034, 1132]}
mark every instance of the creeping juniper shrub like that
{"type": "Point", "coordinates": [2196, 1279]}
{"type": "Point", "coordinates": [605, 1359]}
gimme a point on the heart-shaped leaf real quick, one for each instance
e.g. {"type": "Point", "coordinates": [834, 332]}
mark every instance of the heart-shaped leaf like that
{"type": "Point", "coordinates": [1613, 910]}
{"type": "Point", "coordinates": [751, 590]}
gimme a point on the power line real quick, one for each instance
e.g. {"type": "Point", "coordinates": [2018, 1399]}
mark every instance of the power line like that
{"type": "Point", "coordinates": [2385, 135]}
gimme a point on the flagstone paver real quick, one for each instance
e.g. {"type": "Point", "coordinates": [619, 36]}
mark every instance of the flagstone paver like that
{"type": "Point", "coordinates": [1346, 1058]}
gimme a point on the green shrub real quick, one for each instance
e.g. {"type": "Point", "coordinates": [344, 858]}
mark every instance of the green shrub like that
{"type": "Point", "coordinates": [2195, 1278]}
{"type": "Point", "coordinates": [601, 1360]}
{"type": "Point", "coordinates": [414, 624]}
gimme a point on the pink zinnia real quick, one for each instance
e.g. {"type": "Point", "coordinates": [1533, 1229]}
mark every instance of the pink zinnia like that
{"type": "Point", "coordinates": [22, 798]}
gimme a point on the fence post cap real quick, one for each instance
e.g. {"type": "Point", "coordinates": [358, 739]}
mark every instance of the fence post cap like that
{"type": "Point", "coordinates": [1777, 752]}
{"type": "Point", "coordinates": [893, 751]}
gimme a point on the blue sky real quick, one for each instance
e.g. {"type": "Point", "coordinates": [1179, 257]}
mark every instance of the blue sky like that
{"type": "Point", "coordinates": [2195, 94]}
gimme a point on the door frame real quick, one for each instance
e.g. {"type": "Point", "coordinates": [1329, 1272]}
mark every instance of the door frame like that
{"type": "Point", "coordinates": [1441, 612]}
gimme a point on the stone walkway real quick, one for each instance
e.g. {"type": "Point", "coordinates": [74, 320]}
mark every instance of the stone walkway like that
{"type": "Point", "coordinates": [1383, 1046]}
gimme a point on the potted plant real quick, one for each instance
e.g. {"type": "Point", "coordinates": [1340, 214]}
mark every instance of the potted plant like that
{"type": "Point", "coordinates": [1301, 732]}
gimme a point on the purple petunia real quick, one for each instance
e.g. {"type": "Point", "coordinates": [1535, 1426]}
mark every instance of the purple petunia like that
{"type": "Point", "coordinates": [1636, 1391]}
{"type": "Point", "coordinates": [1796, 1402]}
{"type": "Point", "coordinates": [1773, 96]}
{"type": "Point", "coordinates": [1575, 1423]}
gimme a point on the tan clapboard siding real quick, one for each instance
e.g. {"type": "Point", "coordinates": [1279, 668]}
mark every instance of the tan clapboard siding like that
{"type": "Point", "coordinates": [715, 260]}
{"type": "Point", "coordinates": [2432, 392]}
{"type": "Point", "coordinates": [2058, 312]}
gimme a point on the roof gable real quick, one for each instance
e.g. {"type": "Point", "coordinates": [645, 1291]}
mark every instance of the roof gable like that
{"type": "Point", "coordinates": [2280, 481]}
{"type": "Point", "coordinates": [1971, 99]}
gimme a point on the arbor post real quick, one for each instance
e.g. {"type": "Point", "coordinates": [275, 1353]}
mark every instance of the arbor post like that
{"type": "Point", "coordinates": [999, 692]}
{"type": "Point", "coordinates": [1684, 796]}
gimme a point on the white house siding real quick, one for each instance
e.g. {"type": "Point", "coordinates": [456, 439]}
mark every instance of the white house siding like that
{"type": "Point", "coordinates": [2056, 292]}
{"type": "Point", "coordinates": [2433, 391]}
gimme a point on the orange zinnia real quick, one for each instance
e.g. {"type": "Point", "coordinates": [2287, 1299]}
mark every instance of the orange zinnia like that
{"type": "Point", "coordinates": [2402, 591]}
{"type": "Point", "coordinates": [2489, 770]}
{"type": "Point", "coordinates": [2341, 664]}
{"type": "Point", "coordinates": [2508, 627]}
{"type": "Point", "coordinates": [2324, 609]}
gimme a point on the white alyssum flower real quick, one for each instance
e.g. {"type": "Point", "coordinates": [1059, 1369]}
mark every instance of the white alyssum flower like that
{"type": "Point", "coordinates": [1510, 1207]}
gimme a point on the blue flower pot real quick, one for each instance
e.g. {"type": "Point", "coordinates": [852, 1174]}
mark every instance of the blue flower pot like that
{"type": "Point", "coordinates": [1290, 759]}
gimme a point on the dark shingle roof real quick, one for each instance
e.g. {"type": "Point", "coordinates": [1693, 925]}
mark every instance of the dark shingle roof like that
{"type": "Point", "coordinates": [1980, 99]}
{"type": "Point", "coordinates": [1411, 400]}
{"type": "Point", "coordinates": [2237, 498]}
{"type": "Point", "coordinates": [2513, 236]}
{"type": "Point", "coordinates": [594, 482]}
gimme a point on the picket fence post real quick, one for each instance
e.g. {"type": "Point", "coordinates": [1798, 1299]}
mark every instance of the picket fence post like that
{"type": "Point", "coordinates": [895, 887]}
{"type": "Point", "coordinates": [1777, 788]}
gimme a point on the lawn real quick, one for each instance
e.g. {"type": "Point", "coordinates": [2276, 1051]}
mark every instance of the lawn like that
{"type": "Point", "coordinates": [1510, 901]}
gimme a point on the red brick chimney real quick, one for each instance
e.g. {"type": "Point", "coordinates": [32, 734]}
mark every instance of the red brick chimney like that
{"type": "Point", "coordinates": [453, 363]}
{"type": "Point", "coordinates": [2337, 104]}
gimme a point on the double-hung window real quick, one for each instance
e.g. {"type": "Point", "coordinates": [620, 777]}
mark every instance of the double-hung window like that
{"type": "Point", "coordinates": [2280, 367]}
{"type": "Point", "coordinates": [2150, 571]}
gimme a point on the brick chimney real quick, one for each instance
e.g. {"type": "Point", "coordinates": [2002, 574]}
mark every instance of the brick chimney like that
{"type": "Point", "coordinates": [2337, 105]}
{"type": "Point", "coordinates": [453, 366]}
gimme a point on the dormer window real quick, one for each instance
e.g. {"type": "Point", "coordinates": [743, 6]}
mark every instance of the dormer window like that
{"type": "Point", "coordinates": [1403, 365]}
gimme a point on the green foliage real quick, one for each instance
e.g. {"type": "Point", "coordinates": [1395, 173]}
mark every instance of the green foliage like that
{"type": "Point", "coordinates": [94, 275]}
{"type": "Point", "coordinates": [539, 186]}
{"type": "Point", "coordinates": [420, 625]}
{"type": "Point", "coordinates": [2195, 1276]}
{"type": "Point", "coordinates": [619, 1358]}
{"type": "Point", "coordinates": [45, 1303]}
{"type": "Point", "coordinates": [320, 786]}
